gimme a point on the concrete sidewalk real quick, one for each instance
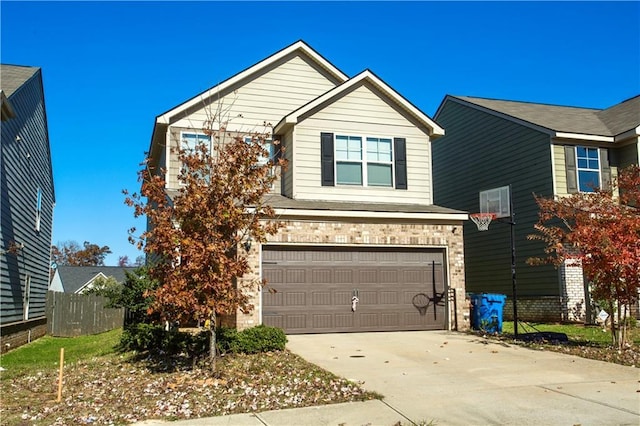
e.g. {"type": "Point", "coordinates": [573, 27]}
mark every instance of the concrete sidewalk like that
{"type": "Point", "coordinates": [350, 413]}
{"type": "Point", "coordinates": [456, 379]}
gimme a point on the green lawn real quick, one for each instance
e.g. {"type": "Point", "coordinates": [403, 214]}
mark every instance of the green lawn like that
{"type": "Point", "coordinates": [44, 353]}
{"type": "Point", "coordinates": [587, 334]}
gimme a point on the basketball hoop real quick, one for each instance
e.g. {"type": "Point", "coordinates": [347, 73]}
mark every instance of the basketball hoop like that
{"type": "Point", "coordinates": [482, 220]}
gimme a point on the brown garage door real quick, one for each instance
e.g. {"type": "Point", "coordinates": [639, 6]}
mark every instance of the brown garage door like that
{"type": "Point", "coordinates": [310, 289]}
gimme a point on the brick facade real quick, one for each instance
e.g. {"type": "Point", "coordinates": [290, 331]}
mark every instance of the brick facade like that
{"type": "Point", "coordinates": [365, 232]}
{"type": "Point", "coordinates": [534, 309]}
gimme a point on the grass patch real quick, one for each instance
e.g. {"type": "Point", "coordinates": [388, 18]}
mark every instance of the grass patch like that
{"type": "Point", "coordinates": [585, 341]}
{"type": "Point", "coordinates": [44, 353]}
{"type": "Point", "coordinates": [577, 333]}
{"type": "Point", "coordinates": [103, 386]}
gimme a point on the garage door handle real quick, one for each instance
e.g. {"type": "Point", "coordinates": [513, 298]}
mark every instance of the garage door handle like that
{"type": "Point", "coordinates": [269, 263]}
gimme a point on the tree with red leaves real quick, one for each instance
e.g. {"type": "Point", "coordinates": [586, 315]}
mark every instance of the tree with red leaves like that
{"type": "Point", "coordinates": [70, 253]}
{"type": "Point", "coordinates": [599, 231]}
{"type": "Point", "coordinates": [197, 233]}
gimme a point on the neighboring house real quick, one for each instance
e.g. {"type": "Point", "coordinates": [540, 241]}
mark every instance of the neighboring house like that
{"type": "Point", "coordinates": [78, 279]}
{"type": "Point", "coordinates": [546, 150]}
{"type": "Point", "coordinates": [27, 194]}
{"type": "Point", "coordinates": [356, 198]}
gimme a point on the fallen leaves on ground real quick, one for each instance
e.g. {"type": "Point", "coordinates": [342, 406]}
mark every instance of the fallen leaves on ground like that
{"type": "Point", "coordinates": [114, 390]}
{"type": "Point", "coordinates": [629, 355]}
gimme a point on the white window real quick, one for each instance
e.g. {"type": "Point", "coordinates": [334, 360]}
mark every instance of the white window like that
{"type": "Point", "coordinates": [588, 167]}
{"type": "Point", "coordinates": [268, 146]}
{"type": "Point", "coordinates": [38, 209]}
{"type": "Point", "coordinates": [189, 141]}
{"type": "Point", "coordinates": [370, 164]}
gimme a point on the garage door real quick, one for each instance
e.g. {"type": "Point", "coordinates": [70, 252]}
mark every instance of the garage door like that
{"type": "Point", "coordinates": [310, 289]}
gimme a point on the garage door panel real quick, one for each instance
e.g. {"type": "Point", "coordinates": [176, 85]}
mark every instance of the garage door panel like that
{"type": "Point", "coordinates": [321, 298]}
{"type": "Point", "coordinates": [322, 276]}
{"type": "Point", "coordinates": [316, 294]}
{"type": "Point", "coordinates": [388, 297]}
{"type": "Point", "coordinates": [344, 321]}
{"type": "Point", "coordinates": [341, 297]}
{"type": "Point", "coordinates": [323, 321]}
{"type": "Point", "coordinates": [296, 298]}
{"type": "Point", "coordinates": [343, 276]}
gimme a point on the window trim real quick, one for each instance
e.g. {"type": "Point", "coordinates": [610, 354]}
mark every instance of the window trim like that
{"type": "Point", "coordinates": [587, 169]}
{"type": "Point", "coordinates": [195, 133]}
{"type": "Point", "coordinates": [181, 145]}
{"type": "Point", "coordinates": [364, 161]}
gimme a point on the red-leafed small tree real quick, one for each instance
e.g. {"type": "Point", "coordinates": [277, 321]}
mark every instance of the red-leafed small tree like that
{"type": "Point", "coordinates": [600, 231]}
{"type": "Point", "coordinates": [197, 233]}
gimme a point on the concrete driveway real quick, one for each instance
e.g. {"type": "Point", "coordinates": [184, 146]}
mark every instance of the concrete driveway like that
{"type": "Point", "coordinates": [457, 379]}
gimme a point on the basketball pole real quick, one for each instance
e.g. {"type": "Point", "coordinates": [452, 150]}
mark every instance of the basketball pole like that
{"type": "Point", "coordinates": [512, 222]}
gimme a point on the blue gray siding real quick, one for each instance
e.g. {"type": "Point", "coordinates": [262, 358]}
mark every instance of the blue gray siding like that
{"type": "Point", "coordinates": [25, 166]}
{"type": "Point", "coordinates": [481, 151]}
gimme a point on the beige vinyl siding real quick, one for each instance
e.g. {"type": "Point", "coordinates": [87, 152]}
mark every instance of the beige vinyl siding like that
{"type": "Point", "coordinates": [619, 157]}
{"type": "Point", "coordinates": [277, 91]}
{"type": "Point", "coordinates": [560, 170]}
{"type": "Point", "coordinates": [360, 112]}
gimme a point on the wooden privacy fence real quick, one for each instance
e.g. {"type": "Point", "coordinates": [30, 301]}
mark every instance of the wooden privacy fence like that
{"type": "Point", "coordinates": [71, 315]}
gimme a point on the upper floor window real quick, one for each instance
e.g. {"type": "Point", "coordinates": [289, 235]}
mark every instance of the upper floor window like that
{"type": "Point", "coordinates": [189, 141]}
{"type": "Point", "coordinates": [367, 163]}
{"type": "Point", "coordinates": [268, 146]}
{"type": "Point", "coordinates": [588, 162]}
{"type": "Point", "coordinates": [587, 168]}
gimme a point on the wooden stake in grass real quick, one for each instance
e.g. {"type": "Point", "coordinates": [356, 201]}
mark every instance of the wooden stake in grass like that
{"type": "Point", "coordinates": [60, 374]}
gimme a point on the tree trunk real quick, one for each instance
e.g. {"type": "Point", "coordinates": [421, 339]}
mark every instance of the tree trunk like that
{"type": "Point", "coordinates": [212, 341]}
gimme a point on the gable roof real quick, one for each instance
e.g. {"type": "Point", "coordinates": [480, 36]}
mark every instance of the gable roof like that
{"type": "Point", "coordinates": [564, 121]}
{"type": "Point", "coordinates": [75, 278]}
{"type": "Point", "coordinates": [299, 46]}
{"type": "Point", "coordinates": [12, 77]}
{"type": "Point", "coordinates": [369, 77]}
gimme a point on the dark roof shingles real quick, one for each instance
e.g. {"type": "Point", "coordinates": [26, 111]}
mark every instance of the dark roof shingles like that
{"type": "Point", "coordinates": [609, 122]}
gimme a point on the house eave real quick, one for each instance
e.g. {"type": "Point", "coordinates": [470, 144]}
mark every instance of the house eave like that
{"type": "Point", "coordinates": [361, 214]}
{"type": "Point", "coordinates": [293, 118]}
{"type": "Point", "coordinates": [584, 137]}
{"type": "Point", "coordinates": [631, 133]}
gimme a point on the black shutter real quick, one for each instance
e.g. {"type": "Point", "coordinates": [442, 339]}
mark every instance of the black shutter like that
{"type": "Point", "coordinates": [400, 152]}
{"type": "Point", "coordinates": [570, 165]}
{"type": "Point", "coordinates": [326, 158]}
{"type": "Point", "coordinates": [605, 169]}
{"type": "Point", "coordinates": [277, 149]}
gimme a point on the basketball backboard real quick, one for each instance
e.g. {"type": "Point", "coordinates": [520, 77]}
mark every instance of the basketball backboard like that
{"type": "Point", "coordinates": [496, 201]}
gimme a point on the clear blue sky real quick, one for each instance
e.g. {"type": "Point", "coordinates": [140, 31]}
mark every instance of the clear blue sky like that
{"type": "Point", "coordinates": [110, 67]}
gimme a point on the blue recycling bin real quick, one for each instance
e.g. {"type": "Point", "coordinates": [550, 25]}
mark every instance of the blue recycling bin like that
{"type": "Point", "coordinates": [486, 312]}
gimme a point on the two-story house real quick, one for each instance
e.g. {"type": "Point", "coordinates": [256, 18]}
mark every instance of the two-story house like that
{"type": "Point", "coordinates": [27, 194]}
{"type": "Point", "coordinates": [356, 198]}
{"type": "Point", "coordinates": [547, 150]}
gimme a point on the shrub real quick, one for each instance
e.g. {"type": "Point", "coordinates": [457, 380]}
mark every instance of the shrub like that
{"type": "Point", "coordinates": [153, 338]}
{"type": "Point", "coordinates": [259, 339]}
